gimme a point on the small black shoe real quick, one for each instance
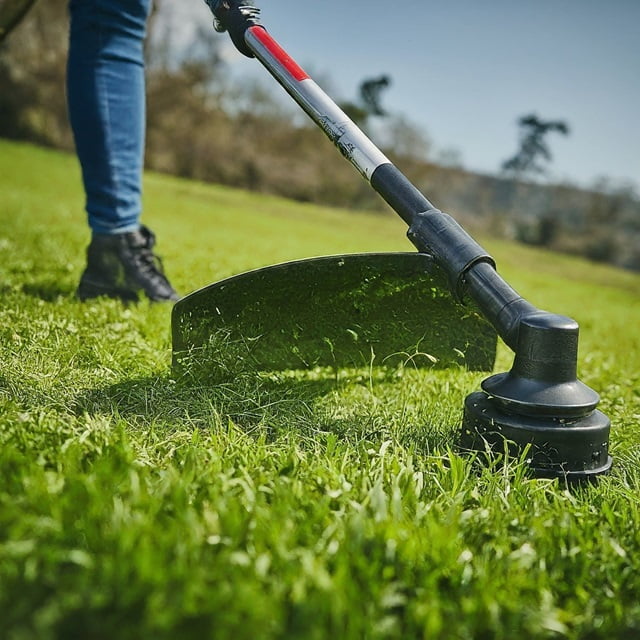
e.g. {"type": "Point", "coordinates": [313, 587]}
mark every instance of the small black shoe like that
{"type": "Point", "coordinates": [123, 265]}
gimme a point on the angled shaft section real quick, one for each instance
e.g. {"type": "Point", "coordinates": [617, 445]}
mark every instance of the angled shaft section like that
{"type": "Point", "coordinates": [470, 269]}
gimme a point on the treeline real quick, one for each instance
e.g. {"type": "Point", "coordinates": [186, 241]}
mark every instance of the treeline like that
{"type": "Point", "coordinates": [205, 125]}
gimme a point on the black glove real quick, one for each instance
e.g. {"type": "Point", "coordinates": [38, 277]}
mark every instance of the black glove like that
{"type": "Point", "coordinates": [235, 16]}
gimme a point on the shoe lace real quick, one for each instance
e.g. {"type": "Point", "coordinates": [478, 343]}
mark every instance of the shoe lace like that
{"type": "Point", "coordinates": [150, 264]}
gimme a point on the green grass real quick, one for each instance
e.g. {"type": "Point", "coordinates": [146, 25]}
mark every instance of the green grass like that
{"type": "Point", "coordinates": [287, 506]}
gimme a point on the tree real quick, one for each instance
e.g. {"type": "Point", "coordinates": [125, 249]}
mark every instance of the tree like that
{"type": "Point", "coordinates": [32, 77]}
{"type": "Point", "coordinates": [533, 146]}
{"type": "Point", "coordinates": [370, 91]}
{"type": "Point", "coordinates": [369, 103]}
{"type": "Point", "coordinates": [11, 13]}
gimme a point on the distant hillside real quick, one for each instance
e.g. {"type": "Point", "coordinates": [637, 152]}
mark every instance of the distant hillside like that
{"type": "Point", "coordinates": [602, 226]}
{"type": "Point", "coordinates": [202, 126]}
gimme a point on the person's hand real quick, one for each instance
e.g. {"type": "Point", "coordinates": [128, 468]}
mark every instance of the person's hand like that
{"type": "Point", "coordinates": [235, 16]}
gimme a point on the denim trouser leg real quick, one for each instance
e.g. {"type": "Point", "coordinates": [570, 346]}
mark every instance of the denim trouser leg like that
{"type": "Point", "coordinates": [106, 94]}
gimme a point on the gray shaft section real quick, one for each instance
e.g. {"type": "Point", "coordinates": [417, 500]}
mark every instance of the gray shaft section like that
{"type": "Point", "coordinates": [354, 145]}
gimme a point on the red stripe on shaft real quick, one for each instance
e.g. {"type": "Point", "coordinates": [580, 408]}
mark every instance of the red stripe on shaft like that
{"type": "Point", "coordinates": [279, 53]}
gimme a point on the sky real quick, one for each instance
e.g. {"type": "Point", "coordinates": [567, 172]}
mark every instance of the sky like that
{"type": "Point", "coordinates": [466, 70]}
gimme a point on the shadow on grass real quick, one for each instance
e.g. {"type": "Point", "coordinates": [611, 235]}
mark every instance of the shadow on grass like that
{"type": "Point", "coordinates": [48, 290]}
{"type": "Point", "coordinates": [248, 400]}
{"type": "Point", "coordinates": [268, 406]}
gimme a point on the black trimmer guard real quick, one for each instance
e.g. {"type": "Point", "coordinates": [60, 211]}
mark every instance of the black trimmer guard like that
{"type": "Point", "coordinates": [339, 311]}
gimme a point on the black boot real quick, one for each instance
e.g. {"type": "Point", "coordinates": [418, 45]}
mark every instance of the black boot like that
{"type": "Point", "coordinates": [122, 265]}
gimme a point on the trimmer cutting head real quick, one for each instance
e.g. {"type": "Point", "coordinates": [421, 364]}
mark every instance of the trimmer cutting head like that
{"type": "Point", "coordinates": [340, 311]}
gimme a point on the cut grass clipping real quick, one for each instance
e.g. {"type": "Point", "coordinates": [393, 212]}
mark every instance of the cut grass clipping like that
{"type": "Point", "coordinates": [312, 504]}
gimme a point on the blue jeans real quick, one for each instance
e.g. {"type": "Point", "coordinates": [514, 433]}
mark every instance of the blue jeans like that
{"type": "Point", "coordinates": [106, 95]}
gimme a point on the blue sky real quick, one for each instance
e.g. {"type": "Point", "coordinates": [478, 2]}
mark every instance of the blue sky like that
{"type": "Point", "coordinates": [465, 70]}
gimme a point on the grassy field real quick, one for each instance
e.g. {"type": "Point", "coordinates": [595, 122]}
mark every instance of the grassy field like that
{"type": "Point", "coordinates": [282, 506]}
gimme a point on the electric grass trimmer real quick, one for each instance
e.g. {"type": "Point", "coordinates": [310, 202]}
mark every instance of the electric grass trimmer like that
{"type": "Point", "coordinates": [538, 406]}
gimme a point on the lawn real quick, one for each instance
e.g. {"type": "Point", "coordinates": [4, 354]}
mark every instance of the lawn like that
{"type": "Point", "coordinates": [291, 505]}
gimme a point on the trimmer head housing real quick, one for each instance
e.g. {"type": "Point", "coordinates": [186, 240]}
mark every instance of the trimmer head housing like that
{"type": "Point", "coordinates": [542, 405]}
